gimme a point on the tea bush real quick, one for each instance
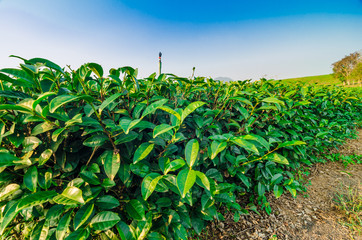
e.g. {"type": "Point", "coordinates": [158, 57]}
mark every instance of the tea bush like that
{"type": "Point", "coordinates": [86, 156]}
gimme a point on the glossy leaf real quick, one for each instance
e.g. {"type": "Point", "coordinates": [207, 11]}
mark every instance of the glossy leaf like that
{"type": "Point", "coordinates": [163, 128]}
{"type": "Point", "coordinates": [31, 178]}
{"type": "Point", "coordinates": [7, 159]}
{"type": "Point", "coordinates": [275, 157]}
{"type": "Point", "coordinates": [124, 231]}
{"type": "Point", "coordinates": [153, 107]}
{"type": "Point", "coordinates": [107, 202]}
{"type": "Point", "coordinates": [142, 152]}
{"type": "Point", "coordinates": [82, 215]}
{"type": "Point", "coordinates": [111, 164]}
{"type": "Point", "coordinates": [104, 220]}
{"type": "Point", "coordinates": [35, 199]}
{"type": "Point", "coordinates": [63, 225]}
{"type": "Point", "coordinates": [135, 210]}
{"type": "Point", "coordinates": [149, 184]}
{"type": "Point", "coordinates": [185, 180]}
{"type": "Point", "coordinates": [190, 108]}
{"type": "Point", "coordinates": [171, 111]}
{"type": "Point", "coordinates": [191, 152]}
{"type": "Point", "coordinates": [217, 147]}
{"type": "Point", "coordinates": [70, 196]}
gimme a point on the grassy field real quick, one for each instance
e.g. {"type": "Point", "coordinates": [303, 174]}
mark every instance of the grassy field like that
{"type": "Point", "coordinates": [327, 79]}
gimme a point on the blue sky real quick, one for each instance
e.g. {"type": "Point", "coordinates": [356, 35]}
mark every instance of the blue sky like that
{"type": "Point", "coordinates": [237, 39]}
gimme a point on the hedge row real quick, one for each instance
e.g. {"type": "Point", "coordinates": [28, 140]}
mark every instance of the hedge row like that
{"type": "Point", "coordinates": [86, 156]}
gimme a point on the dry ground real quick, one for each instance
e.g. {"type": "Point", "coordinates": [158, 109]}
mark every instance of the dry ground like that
{"type": "Point", "coordinates": [313, 215]}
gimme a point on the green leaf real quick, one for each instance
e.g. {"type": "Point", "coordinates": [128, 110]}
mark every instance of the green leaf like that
{"type": "Point", "coordinates": [35, 199]}
{"type": "Point", "coordinates": [277, 178]}
{"type": "Point", "coordinates": [191, 152]}
{"type": "Point", "coordinates": [95, 141]}
{"type": "Point", "coordinates": [82, 215]}
{"type": "Point", "coordinates": [41, 98]}
{"type": "Point", "coordinates": [124, 138]}
{"type": "Point", "coordinates": [19, 74]}
{"type": "Point", "coordinates": [244, 179]}
{"type": "Point", "coordinates": [258, 139]}
{"type": "Point", "coordinates": [245, 144]}
{"type": "Point", "coordinates": [8, 190]}
{"type": "Point", "coordinates": [142, 152]}
{"type": "Point", "coordinates": [292, 191]}
{"type": "Point", "coordinates": [135, 210]}
{"type": "Point", "coordinates": [217, 147]}
{"type": "Point", "coordinates": [291, 143]}
{"type": "Point", "coordinates": [40, 231]}
{"type": "Point", "coordinates": [197, 224]}
{"type": "Point", "coordinates": [174, 165]}
{"type": "Point", "coordinates": [180, 232]}
{"type": "Point", "coordinates": [6, 78]}
{"type": "Point", "coordinates": [56, 134]}
{"type": "Point", "coordinates": [244, 112]}
{"type": "Point", "coordinates": [278, 191]}
{"type": "Point", "coordinates": [171, 111]}
{"type": "Point", "coordinates": [108, 101]}
{"type": "Point", "coordinates": [64, 99]}
{"type": "Point", "coordinates": [9, 214]}
{"type": "Point", "coordinates": [185, 180]}
{"type": "Point", "coordinates": [70, 196]}
{"type": "Point", "coordinates": [124, 173]}
{"type": "Point", "coordinates": [107, 202]}
{"type": "Point", "coordinates": [15, 108]}
{"type": "Point", "coordinates": [90, 177]}
{"type": "Point", "coordinates": [153, 107]}
{"type": "Point", "coordinates": [41, 128]}
{"type": "Point", "coordinates": [202, 180]}
{"type": "Point", "coordinates": [155, 236]}
{"type": "Point", "coordinates": [63, 225]}
{"type": "Point", "coordinates": [45, 156]}
{"type": "Point", "coordinates": [272, 100]}
{"type": "Point", "coordinates": [111, 164]}
{"type": "Point", "coordinates": [80, 234]}
{"type": "Point", "coordinates": [54, 212]}
{"type": "Point", "coordinates": [128, 124]}
{"type": "Point", "coordinates": [46, 63]}
{"type": "Point", "coordinates": [13, 94]}
{"type": "Point", "coordinates": [143, 227]}
{"type": "Point", "coordinates": [104, 220]}
{"type": "Point", "coordinates": [275, 157]}
{"type": "Point", "coordinates": [240, 99]}
{"type": "Point", "coordinates": [125, 232]}
{"type": "Point", "coordinates": [149, 184]}
{"type": "Point", "coordinates": [45, 179]}
{"type": "Point", "coordinates": [7, 159]}
{"type": "Point", "coordinates": [190, 108]}
{"type": "Point", "coordinates": [30, 143]}
{"type": "Point", "coordinates": [31, 178]}
{"type": "Point", "coordinates": [96, 68]}
{"type": "Point", "coordinates": [163, 128]}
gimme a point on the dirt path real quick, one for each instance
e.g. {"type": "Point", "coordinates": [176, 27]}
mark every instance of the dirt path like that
{"type": "Point", "coordinates": [313, 215]}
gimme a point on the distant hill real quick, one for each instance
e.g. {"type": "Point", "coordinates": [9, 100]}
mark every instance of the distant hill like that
{"type": "Point", "coordinates": [225, 79]}
{"type": "Point", "coordinates": [326, 79]}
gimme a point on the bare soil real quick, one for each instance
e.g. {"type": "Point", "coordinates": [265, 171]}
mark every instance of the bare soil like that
{"type": "Point", "coordinates": [313, 215]}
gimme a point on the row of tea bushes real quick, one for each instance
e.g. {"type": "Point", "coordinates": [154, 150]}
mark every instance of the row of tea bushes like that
{"type": "Point", "coordinates": [84, 155]}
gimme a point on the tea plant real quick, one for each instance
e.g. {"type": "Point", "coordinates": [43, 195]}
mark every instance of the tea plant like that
{"type": "Point", "coordinates": [346, 160]}
{"type": "Point", "coordinates": [86, 155]}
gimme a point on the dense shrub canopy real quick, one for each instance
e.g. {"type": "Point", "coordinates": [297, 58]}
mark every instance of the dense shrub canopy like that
{"type": "Point", "coordinates": [85, 155]}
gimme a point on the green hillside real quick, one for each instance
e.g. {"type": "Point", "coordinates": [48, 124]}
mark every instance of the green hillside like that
{"type": "Point", "coordinates": [327, 79]}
